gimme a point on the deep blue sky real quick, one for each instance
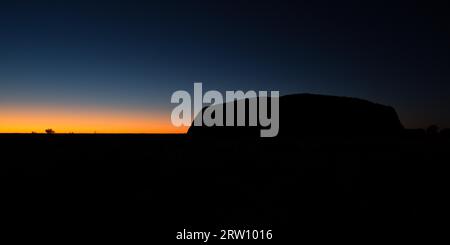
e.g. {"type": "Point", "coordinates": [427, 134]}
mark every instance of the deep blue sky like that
{"type": "Point", "coordinates": [132, 54]}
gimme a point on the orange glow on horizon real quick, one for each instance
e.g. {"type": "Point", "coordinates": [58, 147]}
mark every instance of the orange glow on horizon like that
{"type": "Point", "coordinates": [67, 119]}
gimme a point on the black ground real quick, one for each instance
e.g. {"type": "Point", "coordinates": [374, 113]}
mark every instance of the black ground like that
{"type": "Point", "coordinates": [111, 187]}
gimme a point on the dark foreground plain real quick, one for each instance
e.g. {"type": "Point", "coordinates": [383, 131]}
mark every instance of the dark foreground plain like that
{"type": "Point", "coordinates": [148, 187]}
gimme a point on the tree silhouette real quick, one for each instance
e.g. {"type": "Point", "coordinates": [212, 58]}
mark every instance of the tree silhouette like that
{"type": "Point", "coordinates": [49, 131]}
{"type": "Point", "coordinates": [433, 130]}
{"type": "Point", "coordinates": [445, 132]}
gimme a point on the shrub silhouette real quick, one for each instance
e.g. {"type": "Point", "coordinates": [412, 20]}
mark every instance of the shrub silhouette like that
{"type": "Point", "coordinates": [49, 131]}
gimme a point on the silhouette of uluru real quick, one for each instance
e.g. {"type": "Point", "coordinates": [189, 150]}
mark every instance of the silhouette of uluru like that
{"type": "Point", "coordinates": [311, 116]}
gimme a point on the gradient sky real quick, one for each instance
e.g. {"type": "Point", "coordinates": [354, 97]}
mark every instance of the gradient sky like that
{"type": "Point", "coordinates": [111, 66]}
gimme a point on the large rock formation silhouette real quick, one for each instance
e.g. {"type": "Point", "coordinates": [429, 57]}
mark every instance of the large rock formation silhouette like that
{"type": "Point", "coordinates": [310, 116]}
